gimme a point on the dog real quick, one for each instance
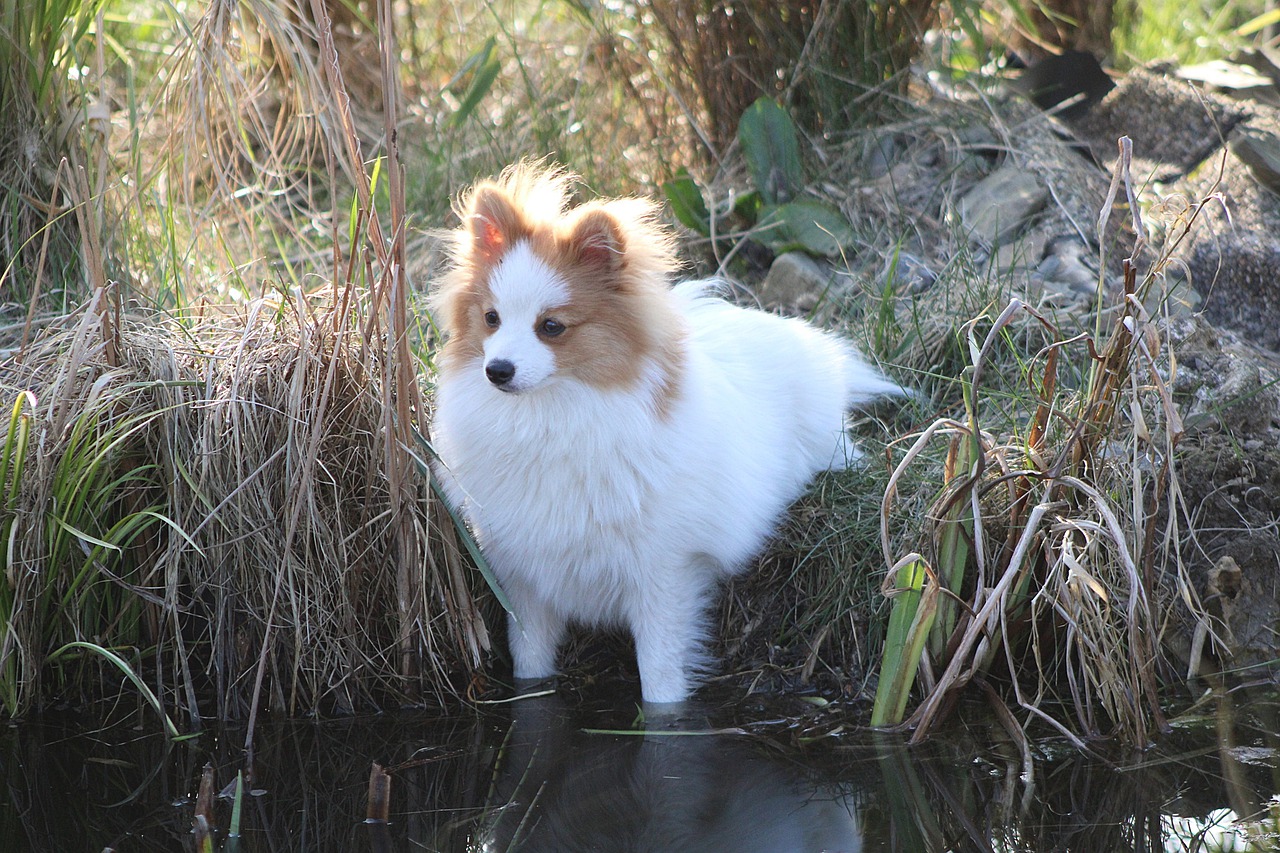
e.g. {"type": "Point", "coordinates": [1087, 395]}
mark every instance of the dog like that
{"type": "Point", "coordinates": [617, 445]}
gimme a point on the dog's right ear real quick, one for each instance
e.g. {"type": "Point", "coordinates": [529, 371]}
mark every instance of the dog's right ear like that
{"type": "Point", "coordinates": [495, 223]}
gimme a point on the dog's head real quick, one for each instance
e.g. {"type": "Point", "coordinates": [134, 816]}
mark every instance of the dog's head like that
{"type": "Point", "coordinates": [539, 293]}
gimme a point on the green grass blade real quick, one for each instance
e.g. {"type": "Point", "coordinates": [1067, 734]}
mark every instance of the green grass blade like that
{"type": "Point", "coordinates": [237, 807]}
{"type": "Point", "coordinates": [468, 541]}
{"type": "Point", "coordinates": [121, 664]}
{"type": "Point", "coordinates": [913, 613]}
{"type": "Point", "coordinates": [483, 66]}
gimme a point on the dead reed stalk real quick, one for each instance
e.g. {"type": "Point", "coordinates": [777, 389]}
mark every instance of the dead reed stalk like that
{"type": "Point", "coordinates": [1040, 565]}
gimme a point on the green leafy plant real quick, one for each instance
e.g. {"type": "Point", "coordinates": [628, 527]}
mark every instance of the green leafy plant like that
{"type": "Point", "coordinates": [71, 578]}
{"type": "Point", "coordinates": [775, 213]}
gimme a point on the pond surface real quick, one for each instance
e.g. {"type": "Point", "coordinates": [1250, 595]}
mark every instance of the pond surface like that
{"type": "Point", "coordinates": [543, 775]}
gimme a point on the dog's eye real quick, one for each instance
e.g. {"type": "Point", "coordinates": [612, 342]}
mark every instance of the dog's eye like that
{"type": "Point", "coordinates": [550, 328]}
{"type": "Point", "coordinates": [491, 319]}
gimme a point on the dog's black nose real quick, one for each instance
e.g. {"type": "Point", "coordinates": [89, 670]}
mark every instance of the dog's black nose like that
{"type": "Point", "coordinates": [500, 371]}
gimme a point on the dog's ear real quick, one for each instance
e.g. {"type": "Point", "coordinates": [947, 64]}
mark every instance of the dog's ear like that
{"type": "Point", "coordinates": [597, 240]}
{"type": "Point", "coordinates": [495, 223]}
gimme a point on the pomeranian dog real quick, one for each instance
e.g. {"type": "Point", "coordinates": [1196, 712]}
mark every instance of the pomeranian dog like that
{"type": "Point", "coordinates": [619, 446]}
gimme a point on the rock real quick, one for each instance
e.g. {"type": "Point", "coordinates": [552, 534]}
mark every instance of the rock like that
{"type": "Point", "coordinates": [879, 154]}
{"type": "Point", "coordinates": [1176, 300]}
{"type": "Point", "coordinates": [997, 207]}
{"type": "Point", "coordinates": [1230, 78]}
{"type": "Point", "coordinates": [1066, 84]}
{"type": "Point", "coordinates": [1228, 473]}
{"type": "Point", "coordinates": [1226, 382]}
{"type": "Point", "coordinates": [978, 137]}
{"type": "Point", "coordinates": [1246, 615]}
{"type": "Point", "coordinates": [1167, 119]}
{"type": "Point", "coordinates": [1260, 151]}
{"type": "Point", "coordinates": [1232, 254]}
{"type": "Point", "coordinates": [1069, 270]}
{"type": "Point", "coordinates": [797, 283]}
{"type": "Point", "coordinates": [905, 273]}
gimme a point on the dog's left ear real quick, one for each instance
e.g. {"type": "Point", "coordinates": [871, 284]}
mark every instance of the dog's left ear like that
{"type": "Point", "coordinates": [597, 240]}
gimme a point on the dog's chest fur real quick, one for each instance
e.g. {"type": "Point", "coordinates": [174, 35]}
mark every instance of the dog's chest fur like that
{"type": "Point", "coordinates": [566, 490]}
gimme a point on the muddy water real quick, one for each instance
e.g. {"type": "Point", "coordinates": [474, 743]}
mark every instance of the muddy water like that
{"type": "Point", "coordinates": [724, 775]}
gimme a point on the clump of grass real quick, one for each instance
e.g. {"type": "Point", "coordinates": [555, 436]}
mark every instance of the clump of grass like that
{"type": "Point", "coordinates": [81, 499]}
{"type": "Point", "coordinates": [230, 493]}
{"type": "Point", "coordinates": [1186, 32]}
{"type": "Point", "coordinates": [221, 498]}
{"type": "Point", "coordinates": [1040, 564]}
{"type": "Point", "coordinates": [821, 59]}
{"type": "Point", "coordinates": [50, 142]}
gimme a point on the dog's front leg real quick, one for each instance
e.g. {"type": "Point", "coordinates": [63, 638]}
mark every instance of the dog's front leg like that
{"type": "Point", "coordinates": [534, 633]}
{"type": "Point", "coordinates": [669, 627]}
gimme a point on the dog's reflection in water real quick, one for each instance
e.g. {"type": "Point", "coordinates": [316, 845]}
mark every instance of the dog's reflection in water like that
{"type": "Point", "coordinates": [561, 789]}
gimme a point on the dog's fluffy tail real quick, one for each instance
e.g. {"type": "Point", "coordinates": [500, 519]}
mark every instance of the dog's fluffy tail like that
{"type": "Point", "coordinates": [864, 383]}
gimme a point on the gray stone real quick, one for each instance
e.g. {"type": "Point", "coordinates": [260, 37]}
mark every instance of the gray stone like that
{"type": "Point", "coordinates": [905, 273]}
{"type": "Point", "coordinates": [1231, 255]}
{"type": "Point", "coordinates": [1173, 297]}
{"type": "Point", "coordinates": [997, 207]}
{"type": "Point", "coordinates": [796, 283]}
{"type": "Point", "coordinates": [1167, 119]}
{"type": "Point", "coordinates": [1023, 254]}
{"type": "Point", "coordinates": [1260, 151]}
{"type": "Point", "coordinates": [880, 153]}
{"type": "Point", "coordinates": [1068, 273]}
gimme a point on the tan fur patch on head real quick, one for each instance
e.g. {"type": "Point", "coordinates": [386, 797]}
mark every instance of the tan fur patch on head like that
{"type": "Point", "coordinates": [615, 257]}
{"type": "Point", "coordinates": [619, 320]}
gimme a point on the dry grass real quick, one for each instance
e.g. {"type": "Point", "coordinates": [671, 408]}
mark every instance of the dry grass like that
{"type": "Point", "coordinates": [1040, 510]}
{"type": "Point", "coordinates": [824, 60]}
{"type": "Point", "coordinates": [277, 567]}
{"type": "Point", "coordinates": [232, 490]}
{"type": "Point", "coordinates": [1050, 554]}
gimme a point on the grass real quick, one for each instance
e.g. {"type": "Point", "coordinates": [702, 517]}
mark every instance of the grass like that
{"type": "Point", "coordinates": [230, 491]}
{"type": "Point", "coordinates": [1185, 33]}
{"type": "Point", "coordinates": [1032, 531]}
{"type": "Point", "coordinates": [50, 153]}
{"type": "Point", "coordinates": [1045, 551]}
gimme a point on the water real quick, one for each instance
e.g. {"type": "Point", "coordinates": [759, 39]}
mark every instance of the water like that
{"type": "Point", "coordinates": [540, 775]}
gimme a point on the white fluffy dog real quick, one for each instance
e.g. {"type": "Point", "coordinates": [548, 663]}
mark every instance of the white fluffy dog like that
{"type": "Point", "coordinates": [619, 446]}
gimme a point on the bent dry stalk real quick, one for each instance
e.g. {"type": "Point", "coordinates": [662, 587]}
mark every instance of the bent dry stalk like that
{"type": "Point", "coordinates": [1039, 554]}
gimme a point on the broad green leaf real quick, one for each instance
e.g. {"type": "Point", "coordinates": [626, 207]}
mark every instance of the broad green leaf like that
{"type": "Point", "coordinates": [914, 609]}
{"type": "Point", "coordinates": [685, 197]}
{"type": "Point", "coordinates": [810, 226]}
{"type": "Point", "coordinates": [771, 147]}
